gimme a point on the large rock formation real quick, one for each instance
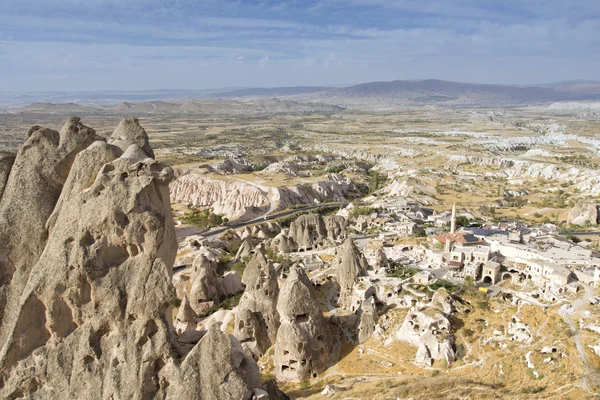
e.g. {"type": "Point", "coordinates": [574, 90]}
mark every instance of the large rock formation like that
{"type": "Point", "coordinates": [252, 332]}
{"type": "Point", "coordinates": [312, 230]}
{"type": "Point", "coordinates": [6, 161]}
{"type": "Point", "coordinates": [584, 213]}
{"type": "Point", "coordinates": [131, 132]}
{"type": "Point", "coordinates": [429, 328]}
{"type": "Point", "coordinates": [242, 201]}
{"type": "Point", "coordinates": [351, 265]}
{"type": "Point", "coordinates": [368, 319]}
{"type": "Point", "coordinates": [33, 187]}
{"type": "Point", "coordinates": [260, 298]}
{"type": "Point", "coordinates": [206, 290]}
{"type": "Point", "coordinates": [186, 317]}
{"type": "Point", "coordinates": [91, 318]}
{"type": "Point", "coordinates": [304, 344]}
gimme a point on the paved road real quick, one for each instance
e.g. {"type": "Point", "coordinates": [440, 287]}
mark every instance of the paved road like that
{"type": "Point", "coordinates": [595, 233]}
{"type": "Point", "coordinates": [214, 233]}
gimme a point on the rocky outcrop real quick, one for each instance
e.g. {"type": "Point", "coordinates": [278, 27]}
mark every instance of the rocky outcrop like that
{"type": "Point", "coordinates": [235, 200]}
{"type": "Point", "coordinates": [216, 368]}
{"type": "Point", "coordinates": [351, 265]}
{"type": "Point", "coordinates": [33, 187]}
{"type": "Point", "coordinates": [186, 317]}
{"type": "Point", "coordinates": [242, 201]}
{"type": "Point", "coordinates": [444, 301]}
{"type": "Point", "coordinates": [304, 344]}
{"type": "Point", "coordinates": [131, 132]}
{"type": "Point", "coordinates": [245, 250]}
{"type": "Point", "coordinates": [233, 166]}
{"type": "Point", "coordinates": [381, 260]}
{"type": "Point", "coordinates": [288, 170]}
{"type": "Point", "coordinates": [584, 213]}
{"type": "Point", "coordinates": [312, 230]}
{"type": "Point", "coordinates": [92, 318]}
{"type": "Point", "coordinates": [206, 290]}
{"type": "Point", "coordinates": [368, 319]}
{"type": "Point", "coordinates": [261, 294]}
{"type": "Point", "coordinates": [252, 332]}
{"type": "Point", "coordinates": [430, 330]}
{"type": "Point", "coordinates": [6, 161]}
{"type": "Point", "coordinates": [283, 244]}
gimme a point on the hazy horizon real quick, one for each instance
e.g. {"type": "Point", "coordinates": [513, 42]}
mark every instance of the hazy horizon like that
{"type": "Point", "coordinates": [75, 45]}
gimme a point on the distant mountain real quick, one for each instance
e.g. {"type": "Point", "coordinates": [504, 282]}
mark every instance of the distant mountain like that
{"type": "Point", "coordinates": [269, 92]}
{"type": "Point", "coordinates": [195, 107]}
{"type": "Point", "coordinates": [433, 91]}
{"type": "Point", "coordinates": [438, 92]}
{"type": "Point", "coordinates": [390, 93]}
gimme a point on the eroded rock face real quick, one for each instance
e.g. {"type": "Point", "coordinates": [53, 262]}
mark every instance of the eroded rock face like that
{"type": "Point", "coordinates": [216, 368]}
{"type": "Point", "coordinates": [381, 260]}
{"type": "Point", "coordinates": [304, 341]}
{"type": "Point", "coordinates": [351, 265]}
{"type": "Point", "coordinates": [584, 213]}
{"type": "Point", "coordinates": [443, 300]}
{"type": "Point", "coordinates": [368, 319]}
{"type": "Point", "coordinates": [6, 161]}
{"type": "Point", "coordinates": [252, 332]}
{"type": "Point", "coordinates": [32, 189]}
{"type": "Point", "coordinates": [430, 329]}
{"type": "Point", "coordinates": [130, 132]}
{"type": "Point", "coordinates": [206, 289]}
{"type": "Point", "coordinates": [186, 317]}
{"type": "Point", "coordinates": [312, 230]}
{"type": "Point", "coordinates": [93, 317]}
{"type": "Point", "coordinates": [261, 294]}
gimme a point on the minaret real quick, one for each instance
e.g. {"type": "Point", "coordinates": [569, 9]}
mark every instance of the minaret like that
{"type": "Point", "coordinates": [453, 221]}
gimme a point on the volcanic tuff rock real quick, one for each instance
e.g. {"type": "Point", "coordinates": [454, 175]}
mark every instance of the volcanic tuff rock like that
{"type": "Point", "coordinates": [235, 200]}
{"type": "Point", "coordinates": [6, 161]}
{"type": "Point", "coordinates": [430, 330]}
{"type": "Point", "coordinates": [245, 250]}
{"type": "Point", "coordinates": [91, 318]}
{"type": "Point", "coordinates": [283, 244]}
{"type": "Point", "coordinates": [186, 317]}
{"type": "Point", "coordinates": [130, 132]}
{"type": "Point", "coordinates": [252, 332]}
{"type": "Point", "coordinates": [304, 341]}
{"type": "Point", "coordinates": [311, 230]}
{"type": "Point", "coordinates": [351, 265]}
{"type": "Point", "coordinates": [34, 184]}
{"type": "Point", "coordinates": [368, 319]}
{"type": "Point", "coordinates": [206, 289]}
{"type": "Point", "coordinates": [381, 260]}
{"type": "Point", "coordinates": [584, 213]}
{"type": "Point", "coordinates": [262, 291]}
{"type": "Point", "coordinates": [242, 201]}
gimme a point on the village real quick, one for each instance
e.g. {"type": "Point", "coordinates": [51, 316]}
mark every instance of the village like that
{"type": "Point", "coordinates": [385, 273]}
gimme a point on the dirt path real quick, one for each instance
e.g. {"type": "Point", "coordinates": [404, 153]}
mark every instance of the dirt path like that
{"type": "Point", "coordinates": [591, 377]}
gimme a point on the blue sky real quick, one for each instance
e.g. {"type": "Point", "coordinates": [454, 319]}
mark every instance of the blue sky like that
{"type": "Point", "coordinates": [152, 44]}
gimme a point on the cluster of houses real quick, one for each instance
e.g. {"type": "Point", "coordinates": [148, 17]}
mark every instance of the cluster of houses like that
{"type": "Point", "coordinates": [490, 253]}
{"type": "Point", "coordinates": [510, 251]}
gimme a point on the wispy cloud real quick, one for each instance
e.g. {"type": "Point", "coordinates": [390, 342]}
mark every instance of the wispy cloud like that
{"type": "Point", "coordinates": [136, 44]}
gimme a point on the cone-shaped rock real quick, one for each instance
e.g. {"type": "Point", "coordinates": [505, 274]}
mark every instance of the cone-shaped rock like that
{"type": "Point", "coordinates": [262, 291]}
{"type": "Point", "coordinates": [252, 332]}
{"type": "Point", "coordinates": [31, 191]}
{"type": "Point", "coordinates": [304, 341]}
{"type": "Point", "coordinates": [186, 317]}
{"type": "Point", "coordinates": [368, 319]}
{"type": "Point", "coordinates": [244, 250]}
{"type": "Point", "coordinates": [130, 132]}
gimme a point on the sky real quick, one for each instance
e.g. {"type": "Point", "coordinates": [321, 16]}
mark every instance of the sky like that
{"type": "Point", "coordinates": [82, 45]}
